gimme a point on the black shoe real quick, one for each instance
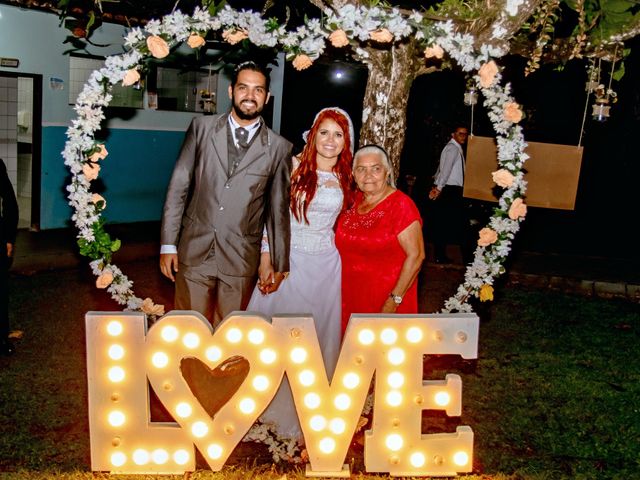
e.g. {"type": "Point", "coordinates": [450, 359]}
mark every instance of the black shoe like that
{"type": "Point", "coordinates": [6, 348]}
{"type": "Point", "coordinates": [442, 260]}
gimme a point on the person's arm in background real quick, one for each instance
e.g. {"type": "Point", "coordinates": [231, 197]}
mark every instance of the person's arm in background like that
{"type": "Point", "coordinates": [9, 211]}
{"type": "Point", "coordinates": [447, 160]}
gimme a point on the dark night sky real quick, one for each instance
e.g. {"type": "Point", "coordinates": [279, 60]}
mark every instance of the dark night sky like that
{"type": "Point", "coordinates": [554, 103]}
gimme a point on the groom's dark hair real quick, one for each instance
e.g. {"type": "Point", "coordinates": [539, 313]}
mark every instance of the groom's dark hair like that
{"type": "Point", "coordinates": [250, 65]}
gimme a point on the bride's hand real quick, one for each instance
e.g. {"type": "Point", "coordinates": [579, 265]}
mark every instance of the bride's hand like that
{"type": "Point", "coordinates": [265, 273]}
{"type": "Point", "coordinates": [278, 278]}
{"type": "Point", "coordinates": [271, 285]}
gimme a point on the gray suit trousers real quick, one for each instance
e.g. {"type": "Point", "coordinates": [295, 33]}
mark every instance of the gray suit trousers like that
{"type": "Point", "coordinates": [204, 289]}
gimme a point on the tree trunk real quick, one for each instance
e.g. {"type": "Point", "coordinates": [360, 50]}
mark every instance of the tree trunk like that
{"type": "Point", "coordinates": [384, 116]}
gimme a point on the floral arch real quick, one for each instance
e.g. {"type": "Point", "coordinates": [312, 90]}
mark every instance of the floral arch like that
{"type": "Point", "coordinates": [349, 25]}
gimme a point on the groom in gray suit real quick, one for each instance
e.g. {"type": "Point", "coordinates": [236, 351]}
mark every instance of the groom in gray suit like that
{"type": "Point", "coordinates": [230, 181]}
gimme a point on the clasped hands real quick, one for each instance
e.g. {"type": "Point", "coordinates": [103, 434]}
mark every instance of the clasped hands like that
{"type": "Point", "coordinates": [268, 280]}
{"type": "Point", "coordinates": [271, 283]}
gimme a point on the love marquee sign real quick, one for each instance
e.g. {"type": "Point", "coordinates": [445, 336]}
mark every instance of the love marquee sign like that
{"type": "Point", "coordinates": [123, 354]}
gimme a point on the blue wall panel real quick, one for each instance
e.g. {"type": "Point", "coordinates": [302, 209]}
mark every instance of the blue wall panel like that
{"type": "Point", "coordinates": [133, 178]}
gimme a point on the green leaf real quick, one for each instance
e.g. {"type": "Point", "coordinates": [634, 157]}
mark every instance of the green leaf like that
{"type": "Point", "coordinates": [619, 73]}
{"type": "Point", "coordinates": [91, 21]}
{"type": "Point", "coordinates": [115, 246]}
{"type": "Point", "coordinates": [617, 6]}
{"type": "Point", "coordinates": [212, 6]}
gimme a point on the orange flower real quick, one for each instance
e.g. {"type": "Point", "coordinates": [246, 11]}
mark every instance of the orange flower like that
{"type": "Point", "coordinates": [503, 178]}
{"type": "Point", "coordinates": [101, 154]}
{"type": "Point", "coordinates": [96, 197]}
{"type": "Point", "coordinates": [517, 209]}
{"type": "Point", "coordinates": [131, 77]}
{"type": "Point", "coordinates": [381, 35]}
{"type": "Point", "coordinates": [487, 237]}
{"type": "Point", "coordinates": [434, 52]}
{"type": "Point", "coordinates": [301, 62]}
{"type": "Point", "coordinates": [338, 38]}
{"type": "Point", "coordinates": [195, 41]}
{"type": "Point", "coordinates": [150, 308]}
{"type": "Point", "coordinates": [486, 293]}
{"type": "Point", "coordinates": [105, 279]}
{"type": "Point", "coordinates": [488, 73]}
{"type": "Point", "coordinates": [512, 112]}
{"type": "Point", "coordinates": [91, 170]}
{"type": "Point", "coordinates": [157, 46]}
{"type": "Point", "coordinates": [234, 36]}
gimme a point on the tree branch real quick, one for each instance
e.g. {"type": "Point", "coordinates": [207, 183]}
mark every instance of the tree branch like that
{"type": "Point", "coordinates": [483, 28]}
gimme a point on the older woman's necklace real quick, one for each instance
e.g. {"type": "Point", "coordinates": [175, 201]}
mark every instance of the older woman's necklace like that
{"type": "Point", "coordinates": [370, 203]}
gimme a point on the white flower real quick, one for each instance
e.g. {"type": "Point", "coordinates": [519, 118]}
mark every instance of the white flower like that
{"type": "Point", "coordinates": [153, 27]}
{"type": "Point", "coordinates": [498, 32]}
{"type": "Point", "coordinates": [416, 16]}
{"type": "Point", "coordinates": [512, 7]}
{"type": "Point", "coordinates": [135, 36]}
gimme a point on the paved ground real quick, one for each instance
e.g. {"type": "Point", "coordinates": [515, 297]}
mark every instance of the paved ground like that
{"type": "Point", "coordinates": [597, 276]}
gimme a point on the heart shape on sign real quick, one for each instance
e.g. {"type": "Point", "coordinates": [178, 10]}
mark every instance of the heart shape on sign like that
{"type": "Point", "coordinates": [215, 385]}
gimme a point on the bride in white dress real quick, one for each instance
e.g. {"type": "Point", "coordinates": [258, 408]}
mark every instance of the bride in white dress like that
{"type": "Point", "coordinates": [321, 173]}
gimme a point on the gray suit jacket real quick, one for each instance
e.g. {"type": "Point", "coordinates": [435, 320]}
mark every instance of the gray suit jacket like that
{"type": "Point", "coordinates": [205, 208]}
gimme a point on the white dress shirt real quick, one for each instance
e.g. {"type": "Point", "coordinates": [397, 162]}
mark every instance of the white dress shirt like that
{"type": "Point", "coordinates": [451, 167]}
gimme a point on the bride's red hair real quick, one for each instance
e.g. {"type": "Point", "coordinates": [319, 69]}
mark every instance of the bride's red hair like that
{"type": "Point", "coordinates": [304, 181]}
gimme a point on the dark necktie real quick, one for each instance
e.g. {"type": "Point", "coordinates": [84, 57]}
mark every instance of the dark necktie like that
{"type": "Point", "coordinates": [242, 136]}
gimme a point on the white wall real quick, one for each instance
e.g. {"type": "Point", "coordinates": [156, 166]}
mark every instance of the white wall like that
{"type": "Point", "coordinates": [148, 140]}
{"type": "Point", "coordinates": [8, 129]}
{"type": "Point", "coordinates": [36, 39]}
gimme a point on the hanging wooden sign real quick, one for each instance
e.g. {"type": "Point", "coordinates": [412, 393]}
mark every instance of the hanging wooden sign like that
{"type": "Point", "coordinates": [552, 173]}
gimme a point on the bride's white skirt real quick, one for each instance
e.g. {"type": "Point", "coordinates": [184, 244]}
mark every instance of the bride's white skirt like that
{"type": "Point", "coordinates": [313, 286]}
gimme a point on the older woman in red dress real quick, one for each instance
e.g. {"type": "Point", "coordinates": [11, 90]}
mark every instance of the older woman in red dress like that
{"type": "Point", "coordinates": [380, 242]}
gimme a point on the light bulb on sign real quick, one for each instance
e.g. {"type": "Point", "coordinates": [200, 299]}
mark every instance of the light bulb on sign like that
{"type": "Point", "coordinates": [191, 340]}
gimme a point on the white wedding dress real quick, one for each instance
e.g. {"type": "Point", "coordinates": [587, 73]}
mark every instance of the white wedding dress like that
{"type": "Point", "coordinates": [313, 286]}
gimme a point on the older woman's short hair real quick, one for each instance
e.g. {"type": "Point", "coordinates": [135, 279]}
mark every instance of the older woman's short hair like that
{"type": "Point", "coordinates": [384, 157]}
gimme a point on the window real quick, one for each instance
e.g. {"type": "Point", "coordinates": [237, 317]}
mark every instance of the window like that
{"type": "Point", "coordinates": [80, 69]}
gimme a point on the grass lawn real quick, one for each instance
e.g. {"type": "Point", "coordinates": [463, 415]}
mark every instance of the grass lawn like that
{"type": "Point", "coordinates": [554, 394]}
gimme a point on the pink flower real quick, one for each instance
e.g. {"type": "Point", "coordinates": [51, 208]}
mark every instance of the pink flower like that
{"type": "Point", "coordinates": [157, 46]}
{"type": "Point", "coordinates": [488, 73]}
{"type": "Point", "coordinates": [512, 112]}
{"type": "Point", "coordinates": [150, 308]}
{"type": "Point", "coordinates": [195, 41]}
{"type": "Point", "coordinates": [503, 178]}
{"type": "Point", "coordinates": [96, 197]}
{"type": "Point", "coordinates": [234, 36]}
{"type": "Point", "coordinates": [434, 52]}
{"type": "Point", "coordinates": [105, 279]}
{"type": "Point", "coordinates": [517, 209]}
{"type": "Point", "coordinates": [301, 62]}
{"type": "Point", "coordinates": [338, 38]}
{"type": "Point", "coordinates": [381, 35]}
{"type": "Point", "coordinates": [132, 76]}
{"type": "Point", "coordinates": [99, 154]}
{"type": "Point", "coordinates": [91, 170]}
{"type": "Point", "coordinates": [487, 237]}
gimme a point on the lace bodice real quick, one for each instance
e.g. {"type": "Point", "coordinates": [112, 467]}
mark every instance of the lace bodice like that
{"type": "Point", "coordinates": [323, 210]}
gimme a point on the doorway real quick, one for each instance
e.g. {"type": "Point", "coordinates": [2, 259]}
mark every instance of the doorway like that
{"type": "Point", "coordinates": [20, 141]}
